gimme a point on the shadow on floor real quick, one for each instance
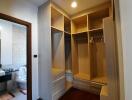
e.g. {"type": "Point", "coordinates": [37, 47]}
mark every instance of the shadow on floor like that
{"type": "Point", "coordinates": [76, 94]}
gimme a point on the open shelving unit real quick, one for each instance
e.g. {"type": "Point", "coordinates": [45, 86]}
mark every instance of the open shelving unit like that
{"type": "Point", "coordinates": [88, 47]}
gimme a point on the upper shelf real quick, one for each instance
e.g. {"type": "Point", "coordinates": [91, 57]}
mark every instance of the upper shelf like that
{"type": "Point", "coordinates": [54, 29]}
{"type": "Point", "coordinates": [95, 19]}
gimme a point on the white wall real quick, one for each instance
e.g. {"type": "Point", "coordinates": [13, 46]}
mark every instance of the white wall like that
{"type": "Point", "coordinates": [6, 42]}
{"type": "Point", "coordinates": [126, 28]}
{"type": "Point", "coordinates": [19, 46]}
{"type": "Point", "coordinates": [24, 10]}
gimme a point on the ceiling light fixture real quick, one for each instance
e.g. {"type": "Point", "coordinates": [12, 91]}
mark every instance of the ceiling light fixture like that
{"type": "Point", "coordinates": [74, 4]}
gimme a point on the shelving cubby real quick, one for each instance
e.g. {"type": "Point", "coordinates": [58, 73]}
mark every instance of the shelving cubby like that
{"type": "Point", "coordinates": [95, 19]}
{"type": "Point", "coordinates": [80, 56]}
{"type": "Point", "coordinates": [79, 25]}
{"type": "Point", "coordinates": [97, 56]}
{"type": "Point", "coordinates": [58, 58]}
{"type": "Point", "coordinates": [57, 19]}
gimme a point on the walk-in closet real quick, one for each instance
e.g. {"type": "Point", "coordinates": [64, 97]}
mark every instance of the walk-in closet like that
{"type": "Point", "coordinates": [77, 49]}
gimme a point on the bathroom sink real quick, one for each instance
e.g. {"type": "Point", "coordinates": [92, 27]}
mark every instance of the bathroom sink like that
{"type": "Point", "coordinates": [2, 73]}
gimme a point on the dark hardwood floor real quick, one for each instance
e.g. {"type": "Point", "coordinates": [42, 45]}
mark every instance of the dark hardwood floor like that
{"type": "Point", "coordinates": [76, 94]}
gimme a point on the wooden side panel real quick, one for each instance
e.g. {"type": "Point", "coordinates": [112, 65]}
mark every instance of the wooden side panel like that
{"type": "Point", "coordinates": [109, 36]}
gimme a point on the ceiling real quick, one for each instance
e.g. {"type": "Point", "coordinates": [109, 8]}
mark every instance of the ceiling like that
{"type": "Point", "coordinates": [82, 5]}
{"type": "Point", "coordinates": [37, 2]}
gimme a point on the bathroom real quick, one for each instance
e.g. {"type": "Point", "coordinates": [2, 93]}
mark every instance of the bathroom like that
{"type": "Point", "coordinates": [13, 61]}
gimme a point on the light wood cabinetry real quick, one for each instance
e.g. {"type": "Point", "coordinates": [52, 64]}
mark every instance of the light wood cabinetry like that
{"type": "Point", "coordinates": [78, 48]}
{"type": "Point", "coordinates": [88, 47]}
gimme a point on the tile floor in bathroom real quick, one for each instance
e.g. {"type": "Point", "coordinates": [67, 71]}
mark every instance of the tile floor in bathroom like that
{"type": "Point", "coordinates": [18, 96]}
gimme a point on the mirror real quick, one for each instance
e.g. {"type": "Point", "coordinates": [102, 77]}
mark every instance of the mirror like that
{"type": "Point", "coordinates": [13, 60]}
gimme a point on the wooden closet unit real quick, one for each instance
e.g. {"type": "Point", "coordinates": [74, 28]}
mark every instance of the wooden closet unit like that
{"type": "Point", "coordinates": [88, 47]}
{"type": "Point", "coordinates": [78, 49]}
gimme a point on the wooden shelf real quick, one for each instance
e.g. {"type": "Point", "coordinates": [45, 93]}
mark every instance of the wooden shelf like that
{"type": "Point", "coordinates": [56, 29]}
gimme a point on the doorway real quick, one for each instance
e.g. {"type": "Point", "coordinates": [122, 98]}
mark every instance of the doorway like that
{"type": "Point", "coordinates": [17, 56]}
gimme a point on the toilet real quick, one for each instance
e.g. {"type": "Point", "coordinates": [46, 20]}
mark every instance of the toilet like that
{"type": "Point", "coordinates": [21, 78]}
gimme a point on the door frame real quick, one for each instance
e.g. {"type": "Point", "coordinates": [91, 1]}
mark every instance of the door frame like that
{"type": "Point", "coordinates": [29, 50]}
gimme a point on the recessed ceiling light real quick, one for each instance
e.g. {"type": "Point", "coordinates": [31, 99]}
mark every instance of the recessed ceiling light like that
{"type": "Point", "coordinates": [74, 4]}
